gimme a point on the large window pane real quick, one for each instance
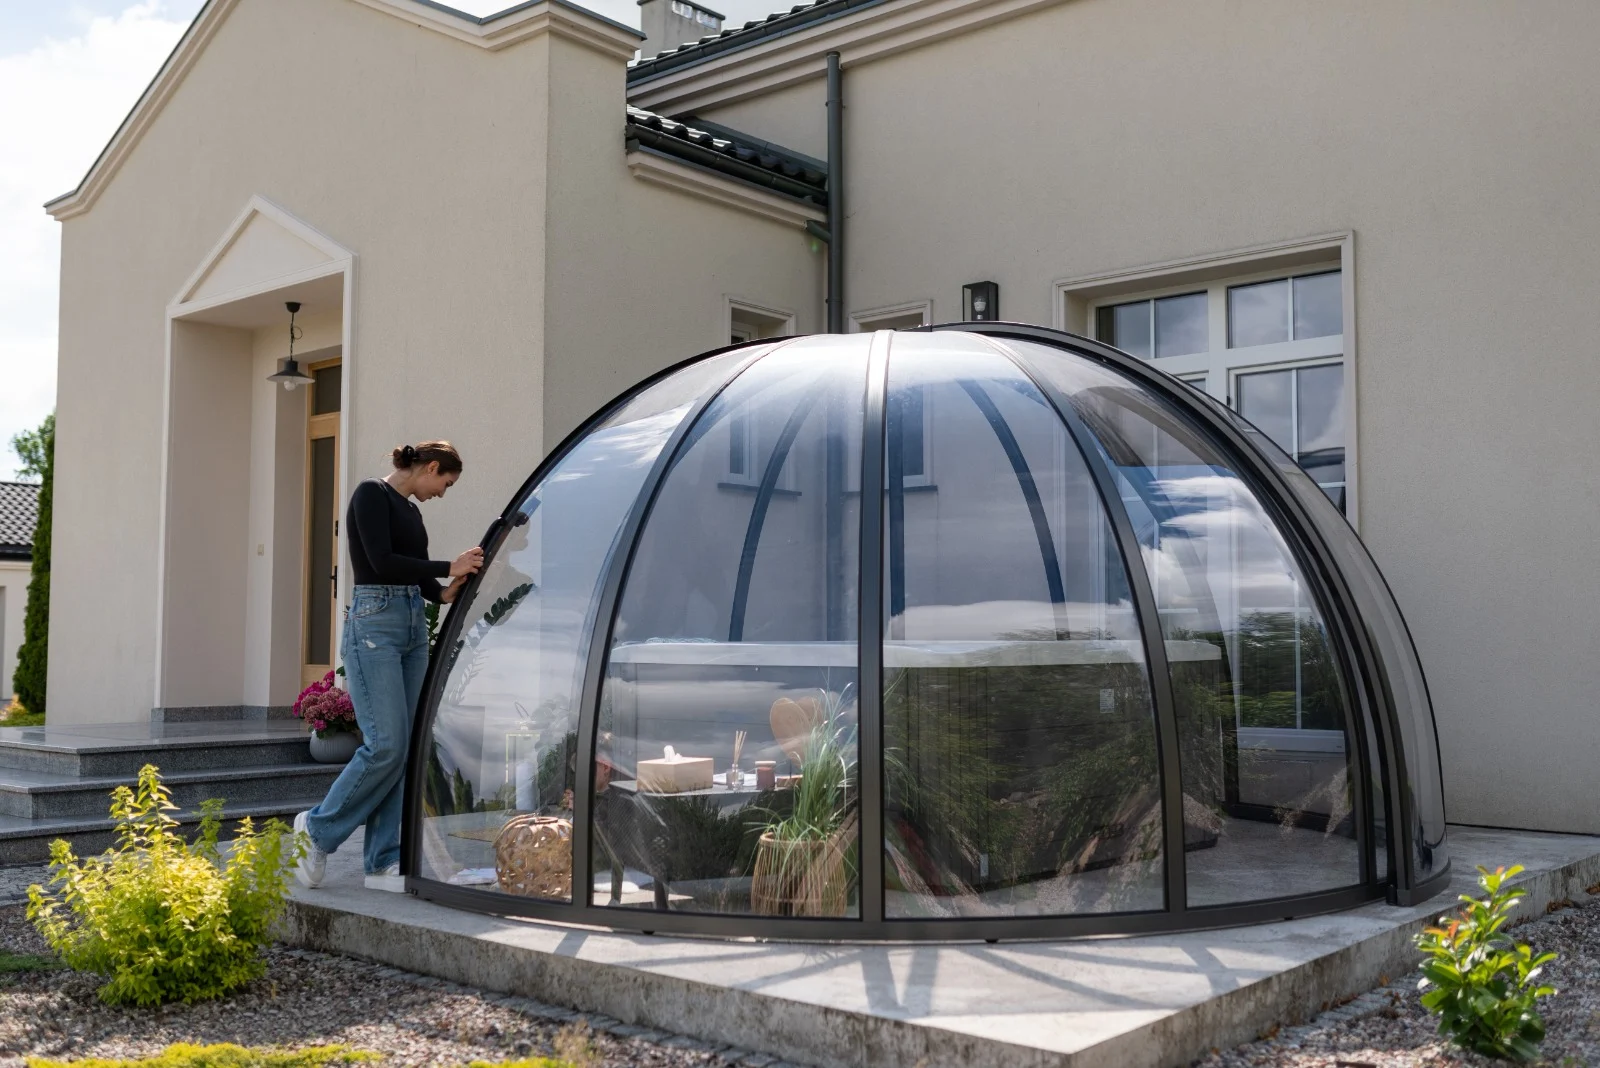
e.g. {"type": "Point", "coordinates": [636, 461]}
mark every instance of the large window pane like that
{"type": "Point", "coordinates": [1318, 305]}
{"type": "Point", "coordinates": [1320, 418]}
{"type": "Point", "coordinates": [1127, 327]}
{"type": "Point", "coordinates": [1263, 729]}
{"type": "Point", "coordinates": [1266, 398]}
{"type": "Point", "coordinates": [1020, 769]}
{"type": "Point", "coordinates": [1181, 326]}
{"type": "Point", "coordinates": [1258, 314]}
{"type": "Point", "coordinates": [736, 632]}
{"type": "Point", "coordinates": [504, 739]}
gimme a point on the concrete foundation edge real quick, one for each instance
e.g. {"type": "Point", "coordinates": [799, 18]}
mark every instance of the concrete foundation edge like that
{"type": "Point", "coordinates": [834, 1038]}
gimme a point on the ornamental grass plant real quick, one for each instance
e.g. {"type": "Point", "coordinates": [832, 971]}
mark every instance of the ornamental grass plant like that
{"type": "Point", "coordinates": [163, 919]}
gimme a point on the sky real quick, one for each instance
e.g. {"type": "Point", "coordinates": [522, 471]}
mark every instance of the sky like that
{"type": "Point", "coordinates": [70, 70]}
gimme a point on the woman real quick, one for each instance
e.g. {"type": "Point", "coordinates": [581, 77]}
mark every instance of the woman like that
{"type": "Point", "coordinates": [385, 654]}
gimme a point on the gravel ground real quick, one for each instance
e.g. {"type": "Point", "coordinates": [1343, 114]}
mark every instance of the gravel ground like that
{"type": "Point", "coordinates": [1388, 1028]}
{"type": "Point", "coordinates": [309, 999]}
{"type": "Point", "coordinates": [314, 998]}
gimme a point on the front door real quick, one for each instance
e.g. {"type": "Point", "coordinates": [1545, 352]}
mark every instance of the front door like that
{"type": "Point", "coordinates": [322, 520]}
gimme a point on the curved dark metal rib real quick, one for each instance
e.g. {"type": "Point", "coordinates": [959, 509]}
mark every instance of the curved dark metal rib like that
{"type": "Point", "coordinates": [758, 514]}
{"type": "Point", "coordinates": [1030, 493]}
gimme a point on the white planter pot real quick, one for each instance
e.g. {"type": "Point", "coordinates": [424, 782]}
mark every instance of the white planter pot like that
{"type": "Point", "coordinates": [335, 748]}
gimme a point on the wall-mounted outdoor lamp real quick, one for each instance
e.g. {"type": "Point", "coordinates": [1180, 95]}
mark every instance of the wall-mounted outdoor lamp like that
{"type": "Point", "coordinates": [289, 374]}
{"type": "Point", "coordinates": [980, 302]}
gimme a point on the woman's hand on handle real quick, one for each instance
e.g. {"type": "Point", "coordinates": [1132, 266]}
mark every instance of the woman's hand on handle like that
{"type": "Point", "coordinates": [449, 593]}
{"type": "Point", "coordinates": [467, 563]}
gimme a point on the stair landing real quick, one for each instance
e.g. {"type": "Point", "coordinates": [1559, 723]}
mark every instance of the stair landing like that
{"type": "Point", "coordinates": [56, 782]}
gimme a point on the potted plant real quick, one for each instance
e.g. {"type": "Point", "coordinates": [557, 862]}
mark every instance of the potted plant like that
{"type": "Point", "coordinates": [328, 712]}
{"type": "Point", "coordinates": [805, 857]}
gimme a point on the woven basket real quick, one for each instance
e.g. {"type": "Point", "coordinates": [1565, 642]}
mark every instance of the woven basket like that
{"type": "Point", "coordinates": [808, 878]}
{"type": "Point", "coordinates": [533, 857]}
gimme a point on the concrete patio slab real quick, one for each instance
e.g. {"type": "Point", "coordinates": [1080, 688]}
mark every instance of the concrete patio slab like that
{"type": "Point", "coordinates": [1153, 1001]}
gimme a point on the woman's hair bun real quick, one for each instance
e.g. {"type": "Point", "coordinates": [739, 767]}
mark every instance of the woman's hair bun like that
{"type": "Point", "coordinates": [441, 452]}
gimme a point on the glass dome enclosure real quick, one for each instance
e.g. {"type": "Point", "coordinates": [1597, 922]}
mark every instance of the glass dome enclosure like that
{"type": "Point", "coordinates": [980, 631]}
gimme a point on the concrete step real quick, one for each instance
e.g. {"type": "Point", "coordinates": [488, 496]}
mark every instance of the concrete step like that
{"type": "Point", "coordinates": [42, 795]}
{"type": "Point", "coordinates": [121, 749]}
{"type": "Point", "coordinates": [25, 841]}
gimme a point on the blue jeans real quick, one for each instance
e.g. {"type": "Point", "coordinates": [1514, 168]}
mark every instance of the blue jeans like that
{"type": "Point", "coordinates": [385, 652]}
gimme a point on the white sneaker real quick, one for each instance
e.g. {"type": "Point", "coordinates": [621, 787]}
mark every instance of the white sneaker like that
{"type": "Point", "coordinates": [314, 863]}
{"type": "Point", "coordinates": [388, 879]}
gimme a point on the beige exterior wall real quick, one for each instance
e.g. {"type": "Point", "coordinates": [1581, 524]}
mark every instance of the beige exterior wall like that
{"type": "Point", "coordinates": [796, 117]}
{"type": "Point", "coordinates": [1455, 142]}
{"type": "Point", "coordinates": [422, 154]}
{"type": "Point", "coordinates": [640, 276]}
{"type": "Point", "coordinates": [14, 575]}
{"type": "Point", "coordinates": [432, 171]}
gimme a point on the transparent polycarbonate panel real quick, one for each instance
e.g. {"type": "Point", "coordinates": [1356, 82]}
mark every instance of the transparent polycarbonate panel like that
{"type": "Point", "coordinates": [1403, 675]}
{"type": "Point", "coordinates": [1264, 734]}
{"type": "Point", "coordinates": [1020, 764]}
{"type": "Point", "coordinates": [503, 735]}
{"type": "Point", "coordinates": [725, 778]}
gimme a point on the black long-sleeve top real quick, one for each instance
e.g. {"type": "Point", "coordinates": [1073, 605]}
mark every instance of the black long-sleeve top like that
{"type": "Point", "coordinates": [388, 543]}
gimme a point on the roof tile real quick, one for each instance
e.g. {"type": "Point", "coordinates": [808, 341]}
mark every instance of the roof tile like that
{"type": "Point", "coordinates": [19, 514]}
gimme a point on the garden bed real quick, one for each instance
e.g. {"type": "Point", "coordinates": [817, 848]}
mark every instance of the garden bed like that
{"type": "Point", "coordinates": [310, 999]}
{"type": "Point", "coordinates": [1388, 1027]}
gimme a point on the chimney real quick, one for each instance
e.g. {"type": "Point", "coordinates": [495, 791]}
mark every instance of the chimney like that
{"type": "Point", "coordinates": [670, 23]}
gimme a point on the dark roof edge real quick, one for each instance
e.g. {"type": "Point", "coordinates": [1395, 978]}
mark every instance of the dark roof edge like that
{"type": "Point", "coordinates": [671, 148]}
{"type": "Point", "coordinates": [16, 552]}
{"type": "Point", "coordinates": [800, 159]}
{"type": "Point", "coordinates": [746, 36]}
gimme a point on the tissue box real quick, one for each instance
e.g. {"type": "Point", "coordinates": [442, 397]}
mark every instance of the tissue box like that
{"type": "Point", "coordinates": [674, 776]}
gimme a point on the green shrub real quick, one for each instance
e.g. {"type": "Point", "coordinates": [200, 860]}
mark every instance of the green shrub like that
{"type": "Point", "coordinates": [1482, 983]}
{"type": "Point", "coordinates": [38, 452]}
{"type": "Point", "coordinates": [222, 1055]}
{"type": "Point", "coordinates": [162, 919]}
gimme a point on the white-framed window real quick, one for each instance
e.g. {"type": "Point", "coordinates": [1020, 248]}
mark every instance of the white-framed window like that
{"type": "Point", "coordinates": [1270, 344]}
{"type": "Point", "coordinates": [744, 320]}
{"type": "Point", "coordinates": [750, 443]}
{"type": "Point", "coordinates": [918, 455]}
{"type": "Point", "coordinates": [1269, 332]}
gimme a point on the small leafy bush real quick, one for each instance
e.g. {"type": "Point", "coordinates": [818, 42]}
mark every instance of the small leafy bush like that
{"type": "Point", "coordinates": [1478, 981]}
{"type": "Point", "coordinates": [165, 920]}
{"type": "Point", "coordinates": [222, 1055]}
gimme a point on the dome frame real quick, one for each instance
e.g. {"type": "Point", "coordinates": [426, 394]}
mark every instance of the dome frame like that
{"type": "Point", "coordinates": [1366, 662]}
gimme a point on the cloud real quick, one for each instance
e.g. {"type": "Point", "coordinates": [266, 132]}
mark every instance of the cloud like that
{"type": "Point", "coordinates": [65, 98]}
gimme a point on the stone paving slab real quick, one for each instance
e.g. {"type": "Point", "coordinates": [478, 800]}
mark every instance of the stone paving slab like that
{"type": "Point", "coordinates": [1152, 1001]}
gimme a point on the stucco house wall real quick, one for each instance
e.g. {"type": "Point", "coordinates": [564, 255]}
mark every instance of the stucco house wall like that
{"type": "Point", "coordinates": [640, 276]}
{"type": "Point", "coordinates": [425, 156]}
{"type": "Point", "coordinates": [1453, 143]}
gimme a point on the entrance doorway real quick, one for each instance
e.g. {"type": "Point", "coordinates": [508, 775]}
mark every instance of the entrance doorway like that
{"type": "Point", "coordinates": [322, 520]}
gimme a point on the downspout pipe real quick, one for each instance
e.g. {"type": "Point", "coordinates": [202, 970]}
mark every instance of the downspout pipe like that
{"type": "Point", "coordinates": [835, 298]}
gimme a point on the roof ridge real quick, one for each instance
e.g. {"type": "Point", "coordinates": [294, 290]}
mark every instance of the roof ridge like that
{"type": "Point", "coordinates": [736, 37]}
